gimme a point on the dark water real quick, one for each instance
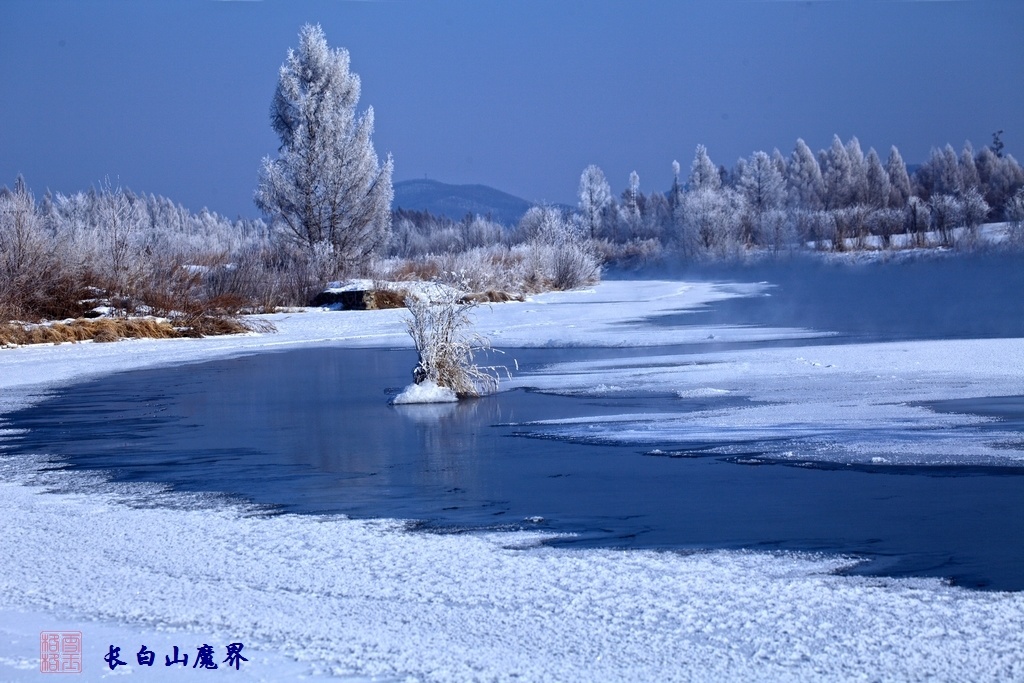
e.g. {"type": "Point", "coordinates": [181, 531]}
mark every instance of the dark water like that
{"type": "Point", "coordinates": [310, 431]}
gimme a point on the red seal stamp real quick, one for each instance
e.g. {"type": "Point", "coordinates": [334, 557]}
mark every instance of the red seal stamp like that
{"type": "Point", "coordinates": [60, 652]}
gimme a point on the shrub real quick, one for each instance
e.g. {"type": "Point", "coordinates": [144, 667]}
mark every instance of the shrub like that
{"type": "Point", "coordinates": [440, 330]}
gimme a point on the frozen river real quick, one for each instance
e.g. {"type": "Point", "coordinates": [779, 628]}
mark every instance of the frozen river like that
{"type": "Point", "coordinates": [311, 431]}
{"type": "Point", "coordinates": [524, 535]}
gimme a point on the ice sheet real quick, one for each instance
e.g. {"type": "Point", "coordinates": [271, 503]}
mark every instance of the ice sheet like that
{"type": "Point", "coordinates": [834, 403]}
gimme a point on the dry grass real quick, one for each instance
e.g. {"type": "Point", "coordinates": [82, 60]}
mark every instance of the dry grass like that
{"type": "Point", "coordinates": [114, 329]}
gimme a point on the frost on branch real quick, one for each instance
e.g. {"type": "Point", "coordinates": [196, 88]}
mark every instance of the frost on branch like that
{"type": "Point", "coordinates": [440, 328]}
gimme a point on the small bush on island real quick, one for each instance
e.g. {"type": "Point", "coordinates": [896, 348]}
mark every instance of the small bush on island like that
{"type": "Point", "coordinates": [440, 328]}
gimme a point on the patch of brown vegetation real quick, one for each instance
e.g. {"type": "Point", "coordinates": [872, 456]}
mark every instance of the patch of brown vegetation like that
{"type": "Point", "coordinates": [385, 298]}
{"type": "Point", "coordinates": [114, 329]}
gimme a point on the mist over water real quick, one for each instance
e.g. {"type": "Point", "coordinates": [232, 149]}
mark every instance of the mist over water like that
{"type": "Point", "coordinates": [952, 296]}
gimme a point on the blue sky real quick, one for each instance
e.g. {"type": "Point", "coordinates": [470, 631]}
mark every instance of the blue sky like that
{"type": "Point", "coordinates": [172, 97]}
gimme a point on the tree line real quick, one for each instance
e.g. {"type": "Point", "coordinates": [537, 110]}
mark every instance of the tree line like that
{"type": "Point", "coordinates": [837, 199]}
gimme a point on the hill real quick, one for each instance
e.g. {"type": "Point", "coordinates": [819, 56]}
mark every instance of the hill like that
{"type": "Point", "coordinates": [455, 201]}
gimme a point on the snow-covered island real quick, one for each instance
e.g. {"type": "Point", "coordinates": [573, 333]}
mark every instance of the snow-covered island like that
{"type": "Point", "coordinates": [330, 597]}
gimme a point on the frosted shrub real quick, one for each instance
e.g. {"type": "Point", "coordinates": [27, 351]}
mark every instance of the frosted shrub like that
{"type": "Point", "coordinates": [441, 331]}
{"type": "Point", "coordinates": [974, 211]}
{"type": "Point", "coordinates": [709, 222]}
{"type": "Point", "coordinates": [774, 230]}
{"type": "Point", "coordinates": [946, 214]}
{"type": "Point", "coordinates": [573, 265]}
{"type": "Point", "coordinates": [559, 255]}
{"type": "Point", "coordinates": [1015, 216]}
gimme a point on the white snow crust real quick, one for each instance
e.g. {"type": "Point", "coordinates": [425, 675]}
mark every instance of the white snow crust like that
{"type": "Point", "coordinates": [834, 403]}
{"type": "Point", "coordinates": [329, 596]}
{"type": "Point", "coordinates": [425, 392]}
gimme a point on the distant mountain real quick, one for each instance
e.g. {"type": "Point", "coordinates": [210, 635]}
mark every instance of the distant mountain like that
{"type": "Point", "coordinates": [455, 201]}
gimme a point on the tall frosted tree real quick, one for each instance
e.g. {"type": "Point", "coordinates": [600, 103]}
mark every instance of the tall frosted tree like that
{"type": "Point", "coordinates": [877, 189]}
{"type": "Point", "coordinates": [969, 178]}
{"type": "Point", "coordinates": [703, 173]}
{"type": "Point", "coordinates": [595, 198]}
{"type": "Point", "coordinates": [858, 171]}
{"type": "Point", "coordinates": [326, 188]}
{"type": "Point", "coordinates": [675, 195]}
{"type": "Point", "coordinates": [20, 234]}
{"type": "Point", "coordinates": [803, 178]}
{"type": "Point", "coordinates": [838, 176]}
{"type": "Point", "coordinates": [779, 161]}
{"type": "Point", "coordinates": [940, 174]}
{"type": "Point", "coordinates": [630, 212]}
{"type": "Point", "coordinates": [761, 183]}
{"type": "Point", "coordinates": [899, 179]}
{"type": "Point", "coordinates": [763, 189]}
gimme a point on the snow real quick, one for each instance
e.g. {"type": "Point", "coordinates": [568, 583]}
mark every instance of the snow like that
{"type": "Point", "coordinates": [329, 596]}
{"type": "Point", "coordinates": [419, 288]}
{"type": "Point", "coordinates": [425, 392]}
{"type": "Point", "coordinates": [845, 403]}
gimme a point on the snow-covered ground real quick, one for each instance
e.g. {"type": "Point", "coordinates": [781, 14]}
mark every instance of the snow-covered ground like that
{"type": "Point", "coordinates": [129, 565]}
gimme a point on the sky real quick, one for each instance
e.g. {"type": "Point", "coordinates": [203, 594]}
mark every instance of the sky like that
{"type": "Point", "coordinates": [173, 97]}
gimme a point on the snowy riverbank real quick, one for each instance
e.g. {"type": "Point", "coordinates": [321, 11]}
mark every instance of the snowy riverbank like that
{"type": "Point", "coordinates": [368, 598]}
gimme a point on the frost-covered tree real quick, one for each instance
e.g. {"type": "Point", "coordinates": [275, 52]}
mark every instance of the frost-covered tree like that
{"type": "Point", "coordinates": [885, 223]}
{"type": "Point", "coordinates": [969, 178]}
{"type": "Point", "coordinates": [21, 242]}
{"type": "Point", "coordinates": [946, 212]}
{"type": "Point", "coordinates": [710, 224]}
{"type": "Point", "coordinates": [762, 184]}
{"type": "Point", "coordinates": [1000, 176]}
{"type": "Point", "coordinates": [631, 209]}
{"type": "Point", "coordinates": [803, 178]}
{"type": "Point", "coordinates": [858, 171]}
{"type": "Point", "coordinates": [918, 219]}
{"type": "Point", "coordinates": [940, 174]}
{"type": "Point", "coordinates": [838, 176]}
{"type": "Point", "coordinates": [877, 186]}
{"type": "Point", "coordinates": [974, 211]}
{"type": "Point", "coordinates": [122, 217]}
{"type": "Point", "coordinates": [703, 173]}
{"type": "Point", "coordinates": [559, 252]}
{"type": "Point", "coordinates": [899, 179]}
{"type": "Point", "coordinates": [764, 191]}
{"type": "Point", "coordinates": [780, 162]}
{"type": "Point", "coordinates": [327, 187]}
{"type": "Point", "coordinates": [675, 195]}
{"type": "Point", "coordinates": [1015, 216]}
{"type": "Point", "coordinates": [595, 198]}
